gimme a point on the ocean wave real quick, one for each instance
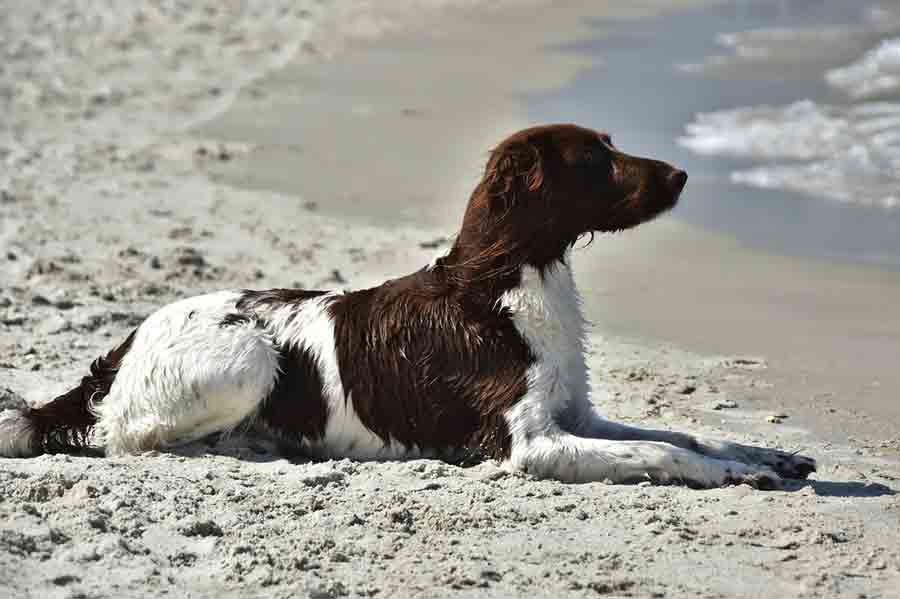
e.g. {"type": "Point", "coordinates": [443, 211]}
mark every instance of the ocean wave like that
{"type": "Point", "coordinates": [771, 45]}
{"type": "Point", "coordinates": [844, 152]}
{"type": "Point", "coordinates": [781, 47]}
{"type": "Point", "coordinates": [848, 154]}
{"type": "Point", "coordinates": [801, 131]}
{"type": "Point", "coordinates": [876, 73]}
{"type": "Point", "coordinates": [847, 178]}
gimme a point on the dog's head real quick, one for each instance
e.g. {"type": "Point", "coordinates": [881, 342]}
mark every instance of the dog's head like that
{"type": "Point", "coordinates": [576, 181]}
{"type": "Point", "coordinates": [562, 181]}
{"type": "Point", "coordinates": [545, 187]}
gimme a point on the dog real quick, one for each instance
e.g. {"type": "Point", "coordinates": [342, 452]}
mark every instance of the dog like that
{"type": "Point", "coordinates": [481, 354]}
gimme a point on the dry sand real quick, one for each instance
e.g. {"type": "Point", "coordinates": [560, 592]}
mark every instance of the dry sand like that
{"type": "Point", "coordinates": [349, 140]}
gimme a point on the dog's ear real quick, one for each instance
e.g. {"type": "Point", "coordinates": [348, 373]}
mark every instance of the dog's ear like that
{"type": "Point", "coordinates": [513, 171]}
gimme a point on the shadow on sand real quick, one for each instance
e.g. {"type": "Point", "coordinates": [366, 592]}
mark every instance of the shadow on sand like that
{"type": "Point", "coordinates": [827, 488]}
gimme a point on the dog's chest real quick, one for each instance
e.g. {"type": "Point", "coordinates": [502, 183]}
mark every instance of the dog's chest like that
{"type": "Point", "coordinates": [546, 310]}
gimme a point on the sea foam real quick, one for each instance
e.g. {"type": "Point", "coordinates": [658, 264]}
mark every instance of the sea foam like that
{"type": "Point", "coordinates": [876, 73]}
{"type": "Point", "coordinates": [849, 152]}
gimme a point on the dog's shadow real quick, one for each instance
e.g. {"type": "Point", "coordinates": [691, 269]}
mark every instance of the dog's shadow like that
{"type": "Point", "coordinates": [247, 448]}
{"type": "Point", "coordinates": [831, 488]}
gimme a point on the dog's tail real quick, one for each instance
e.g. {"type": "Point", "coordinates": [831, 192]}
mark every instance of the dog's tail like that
{"type": "Point", "coordinates": [63, 424]}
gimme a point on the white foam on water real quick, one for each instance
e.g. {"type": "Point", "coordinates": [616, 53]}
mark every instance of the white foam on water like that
{"type": "Point", "coordinates": [803, 130]}
{"type": "Point", "coordinates": [829, 178]}
{"type": "Point", "coordinates": [760, 46]}
{"type": "Point", "coordinates": [849, 153]}
{"type": "Point", "coordinates": [789, 46]}
{"type": "Point", "coordinates": [877, 72]}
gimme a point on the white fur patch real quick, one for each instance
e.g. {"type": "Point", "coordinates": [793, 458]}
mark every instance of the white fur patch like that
{"type": "Point", "coordinates": [546, 311]}
{"type": "Point", "coordinates": [16, 434]}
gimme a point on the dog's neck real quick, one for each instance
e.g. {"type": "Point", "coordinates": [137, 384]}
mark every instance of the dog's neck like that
{"type": "Point", "coordinates": [549, 296]}
{"type": "Point", "coordinates": [494, 244]}
{"type": "Point", "coordinates": [493, 261]}
{"type": "Point", "coordinates": [482, 270]}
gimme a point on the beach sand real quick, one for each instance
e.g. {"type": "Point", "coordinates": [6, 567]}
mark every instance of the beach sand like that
{"type": "Point", "coordinates": [151, 156]}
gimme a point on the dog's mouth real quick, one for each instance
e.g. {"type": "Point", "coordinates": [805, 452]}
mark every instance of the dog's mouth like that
{"type": "Point", "coordinates": [639, 207]}
{"type": "Point", "coordinates": [663, 205]}
{"type": "Point", "coordinates": [670, 202]}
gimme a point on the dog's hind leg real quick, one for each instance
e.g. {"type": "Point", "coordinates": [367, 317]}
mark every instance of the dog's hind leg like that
{"type": "Point", "coordinates": [195, 367]}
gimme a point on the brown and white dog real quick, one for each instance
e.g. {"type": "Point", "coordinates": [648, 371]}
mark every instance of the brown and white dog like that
{"type": "Point", "coordinates": [480, 354]}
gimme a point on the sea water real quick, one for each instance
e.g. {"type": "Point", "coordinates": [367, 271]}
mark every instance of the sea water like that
{"type": "Point", "coordinates": [786, 113]}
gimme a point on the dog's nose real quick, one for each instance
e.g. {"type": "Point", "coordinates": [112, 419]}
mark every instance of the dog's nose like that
{"type": "Point", "coordinates": [677, 180]}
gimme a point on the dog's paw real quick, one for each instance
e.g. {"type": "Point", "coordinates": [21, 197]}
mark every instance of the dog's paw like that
{"type": "Point", "coordinates": [763, 479]}
{"type": "Point", "coordinates": [715, 474]}
{"type": "Point", "coordinates": [793, 465]}
{"type": "Point", "coordinates": [786, 465]}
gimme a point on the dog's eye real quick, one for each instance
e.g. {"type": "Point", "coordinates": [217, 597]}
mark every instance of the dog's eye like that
{"type": "Point", "coordinates": [588, 157]}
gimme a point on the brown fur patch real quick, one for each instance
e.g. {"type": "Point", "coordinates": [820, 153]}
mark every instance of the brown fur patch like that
{"type": "Point", "coordinates": [234, 319]}
{"type": "Point", "coordinates": [295, 410]}
{"type": "Point", "coordinates": [427, 365]}
{"type": "Point", "coordinates": [252, 300]}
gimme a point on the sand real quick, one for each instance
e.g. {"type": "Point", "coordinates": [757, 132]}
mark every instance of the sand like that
{"type": "Point", "coordinates": [149, 156]}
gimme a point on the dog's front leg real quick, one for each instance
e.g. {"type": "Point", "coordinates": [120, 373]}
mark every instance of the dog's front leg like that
{"type": "Point", "coordinates": [789, 465]}
{"type": "Point", "coordinates": [563, 456]}
{"type": "Point", "coordinates": [786, 464]}
{"type": "Point", "coordinates": [594, 426]}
